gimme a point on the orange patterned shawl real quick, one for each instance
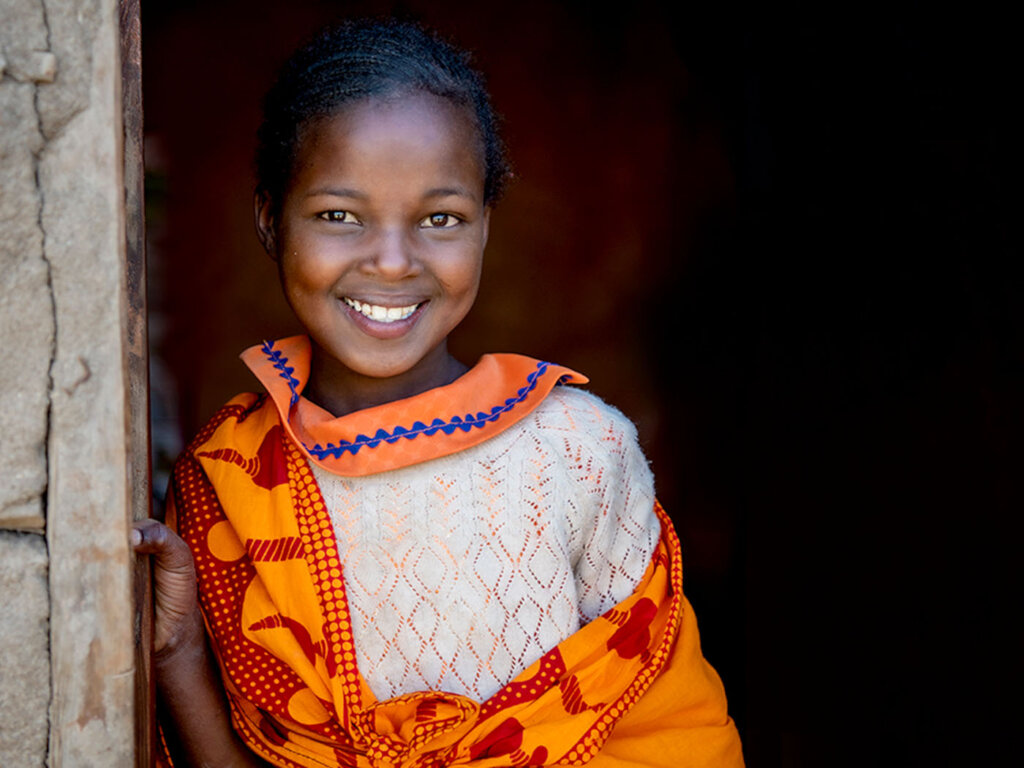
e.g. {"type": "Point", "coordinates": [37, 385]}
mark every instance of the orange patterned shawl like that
{"type": "Point", "coordinates": [631, 688]}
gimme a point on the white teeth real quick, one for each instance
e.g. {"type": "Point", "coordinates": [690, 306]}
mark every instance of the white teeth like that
{"type": "Point", "coordinates": [379, 313]}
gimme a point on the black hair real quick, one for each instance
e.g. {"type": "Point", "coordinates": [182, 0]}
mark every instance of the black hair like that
{"type": "Point", "coordinates": [370, 58]}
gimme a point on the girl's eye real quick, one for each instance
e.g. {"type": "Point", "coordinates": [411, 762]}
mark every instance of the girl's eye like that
{"type": "Point", "coordinates": [341, 217]}
{"type": "Point", "coordinates": [439, 221]}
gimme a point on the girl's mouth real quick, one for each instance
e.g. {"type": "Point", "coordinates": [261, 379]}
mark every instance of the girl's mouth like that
{"type": "Point", "coordinates": [380, 314]}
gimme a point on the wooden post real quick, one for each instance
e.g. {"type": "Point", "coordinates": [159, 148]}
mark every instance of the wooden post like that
{"type": "Point", "coordinates": [89, 174]}
{"type": "Point", "coordinates": [137, 367]}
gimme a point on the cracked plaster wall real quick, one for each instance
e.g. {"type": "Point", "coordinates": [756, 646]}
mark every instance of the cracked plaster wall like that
{"type": "Point", "coordinates": [66, 645]}
{"type": "Point", "coordinates": [26, 316]}
{"type": "Point", "coordinates": [26, 304]}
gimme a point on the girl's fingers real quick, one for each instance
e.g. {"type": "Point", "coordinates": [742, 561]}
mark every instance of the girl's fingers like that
{"type": "Point", "coordinates": [174, 582]}
{"type": "Point", "coordinates": [150, 537]}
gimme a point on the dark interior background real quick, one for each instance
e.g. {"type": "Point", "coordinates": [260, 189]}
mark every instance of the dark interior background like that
{"type": "Point", "coordinates": [785, 241]}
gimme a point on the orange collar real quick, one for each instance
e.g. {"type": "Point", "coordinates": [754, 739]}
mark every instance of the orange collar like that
{"type": "Point", "coordinates": [492, 396]}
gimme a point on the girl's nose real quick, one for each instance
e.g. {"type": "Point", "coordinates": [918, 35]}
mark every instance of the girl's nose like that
{"type": "Point", "coordinates": [392, 257]}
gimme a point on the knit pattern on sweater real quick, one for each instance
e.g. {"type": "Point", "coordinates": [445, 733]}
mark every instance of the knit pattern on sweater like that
{"type": "Point", "coordinates": [462, 571]}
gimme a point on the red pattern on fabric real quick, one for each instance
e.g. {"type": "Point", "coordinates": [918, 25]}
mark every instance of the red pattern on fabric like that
{"type": "Point", "coordinates": [503, 740]}
{"type": "Point", "coordinates": [551, 668]}
{"type": "Point", "coordinates": [507, 740]}
{"type": "Point", "coordinates": [633, 637]}
{"type": "Point", "coordinates": [222, 594]}
{"type": "Point", "coordinates": [302, 635]}
{"type": "Point", "coordinates": [272, 471]}
{"type": "Point", "coordinates": [274, 550]}
{"type": "Point", "coordinates": [572, 697]}
{"type": "Point", "coordinates": [266, 468]}
{"type": "Point", "coordinates": [329, 658]}
{"type": "Point", "coordinates": [346, 759]}
{"type": "Point", "coordinates": [222, 591]}
{"type": "Point", "coordinates": [426, 710]}
{"type": "Point", "coordinates": [538, 758]}
{"type": "Point", "coordinates": [269, 730]}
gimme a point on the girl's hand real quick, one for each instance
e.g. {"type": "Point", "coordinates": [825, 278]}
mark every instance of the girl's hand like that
{"type": "Point", "coordinates": [190, 689]}
{"type": "Point", "coordinates": [177, 622]}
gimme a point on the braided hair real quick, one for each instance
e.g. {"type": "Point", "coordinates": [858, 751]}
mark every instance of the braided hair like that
{"type": "Point", "coordinates": [362, 59]}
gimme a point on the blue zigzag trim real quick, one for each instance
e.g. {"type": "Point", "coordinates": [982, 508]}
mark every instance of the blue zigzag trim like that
{"type": "Point", "coordinates": [419, 428]}
{"type": "Point", "coordinates": [281, 363]}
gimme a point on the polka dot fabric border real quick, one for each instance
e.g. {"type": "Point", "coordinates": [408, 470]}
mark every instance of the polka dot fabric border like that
{"type": "Point", "coordinates": [320, 552]}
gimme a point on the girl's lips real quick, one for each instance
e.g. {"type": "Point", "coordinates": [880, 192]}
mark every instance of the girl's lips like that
{"type": "Point", "coordinates": [386, 329]}
{"type": "Point", "coordinates": [384, 313]}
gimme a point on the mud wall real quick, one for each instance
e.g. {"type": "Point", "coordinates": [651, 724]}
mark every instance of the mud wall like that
{"type": "Point", "coordinates": [66, 636]}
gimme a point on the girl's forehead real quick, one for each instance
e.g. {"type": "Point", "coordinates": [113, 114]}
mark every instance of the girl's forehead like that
{"type": "Point", "coordinates": [431, 122]}
{"type": "Point", "coordinates": [401, 110]}
{"type": "Point", "coordinates": [383, 139]}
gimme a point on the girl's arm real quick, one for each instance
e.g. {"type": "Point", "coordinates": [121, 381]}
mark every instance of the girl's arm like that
{"type": "Point", "coordinates": [188, 683]}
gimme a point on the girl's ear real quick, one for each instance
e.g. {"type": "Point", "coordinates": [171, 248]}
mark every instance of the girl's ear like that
{"type": "Point", "coordinates": [487, 224]}
{"type": "Point", "coordinates": [265, 222]}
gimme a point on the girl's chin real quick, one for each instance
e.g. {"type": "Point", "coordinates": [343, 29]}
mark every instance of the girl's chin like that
{"type": "Point", "coordinates": [401, 366]}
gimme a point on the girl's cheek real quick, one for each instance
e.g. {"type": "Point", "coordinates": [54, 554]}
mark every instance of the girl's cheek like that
{"type": "Point", "coordinates": [312, 269]}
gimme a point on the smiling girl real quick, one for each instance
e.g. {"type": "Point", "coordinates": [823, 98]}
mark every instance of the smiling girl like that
{"type": "Point", "coordinates": [390, 558]}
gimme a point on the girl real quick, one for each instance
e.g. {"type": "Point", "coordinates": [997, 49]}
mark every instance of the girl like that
{"type": "Point", "coordinates": [399, 560]}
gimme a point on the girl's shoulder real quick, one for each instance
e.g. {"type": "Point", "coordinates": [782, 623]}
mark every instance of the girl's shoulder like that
{"type": "Point", "coordinates": [581, 412]}
{"type": "Point", "coordinates": [594, 447]}
{"type": "Point", "coordinates": [578, 423]}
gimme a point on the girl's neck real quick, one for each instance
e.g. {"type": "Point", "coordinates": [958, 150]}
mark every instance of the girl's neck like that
{"type": "Point", "coordinates": [341, 391]}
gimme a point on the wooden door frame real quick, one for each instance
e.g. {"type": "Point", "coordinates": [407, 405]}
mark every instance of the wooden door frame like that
{"type": "Point", "coordinates": [136, 345]}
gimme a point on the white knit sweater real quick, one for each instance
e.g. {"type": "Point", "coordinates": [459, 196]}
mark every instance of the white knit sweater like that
{"type": "Point", "coordinates": [464, 570]}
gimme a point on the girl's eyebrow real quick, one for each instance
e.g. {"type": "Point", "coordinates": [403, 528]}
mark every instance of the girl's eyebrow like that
{"type": "Point", "coordinates": [355, 194]}
{"type": "Point", "coordinates": [449, 192]}
{"type": "Point", "coordinates": [337, 192]}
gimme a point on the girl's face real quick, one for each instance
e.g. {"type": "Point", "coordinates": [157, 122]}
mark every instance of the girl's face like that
{"type": "Point", "coordinates": [381, 233]}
